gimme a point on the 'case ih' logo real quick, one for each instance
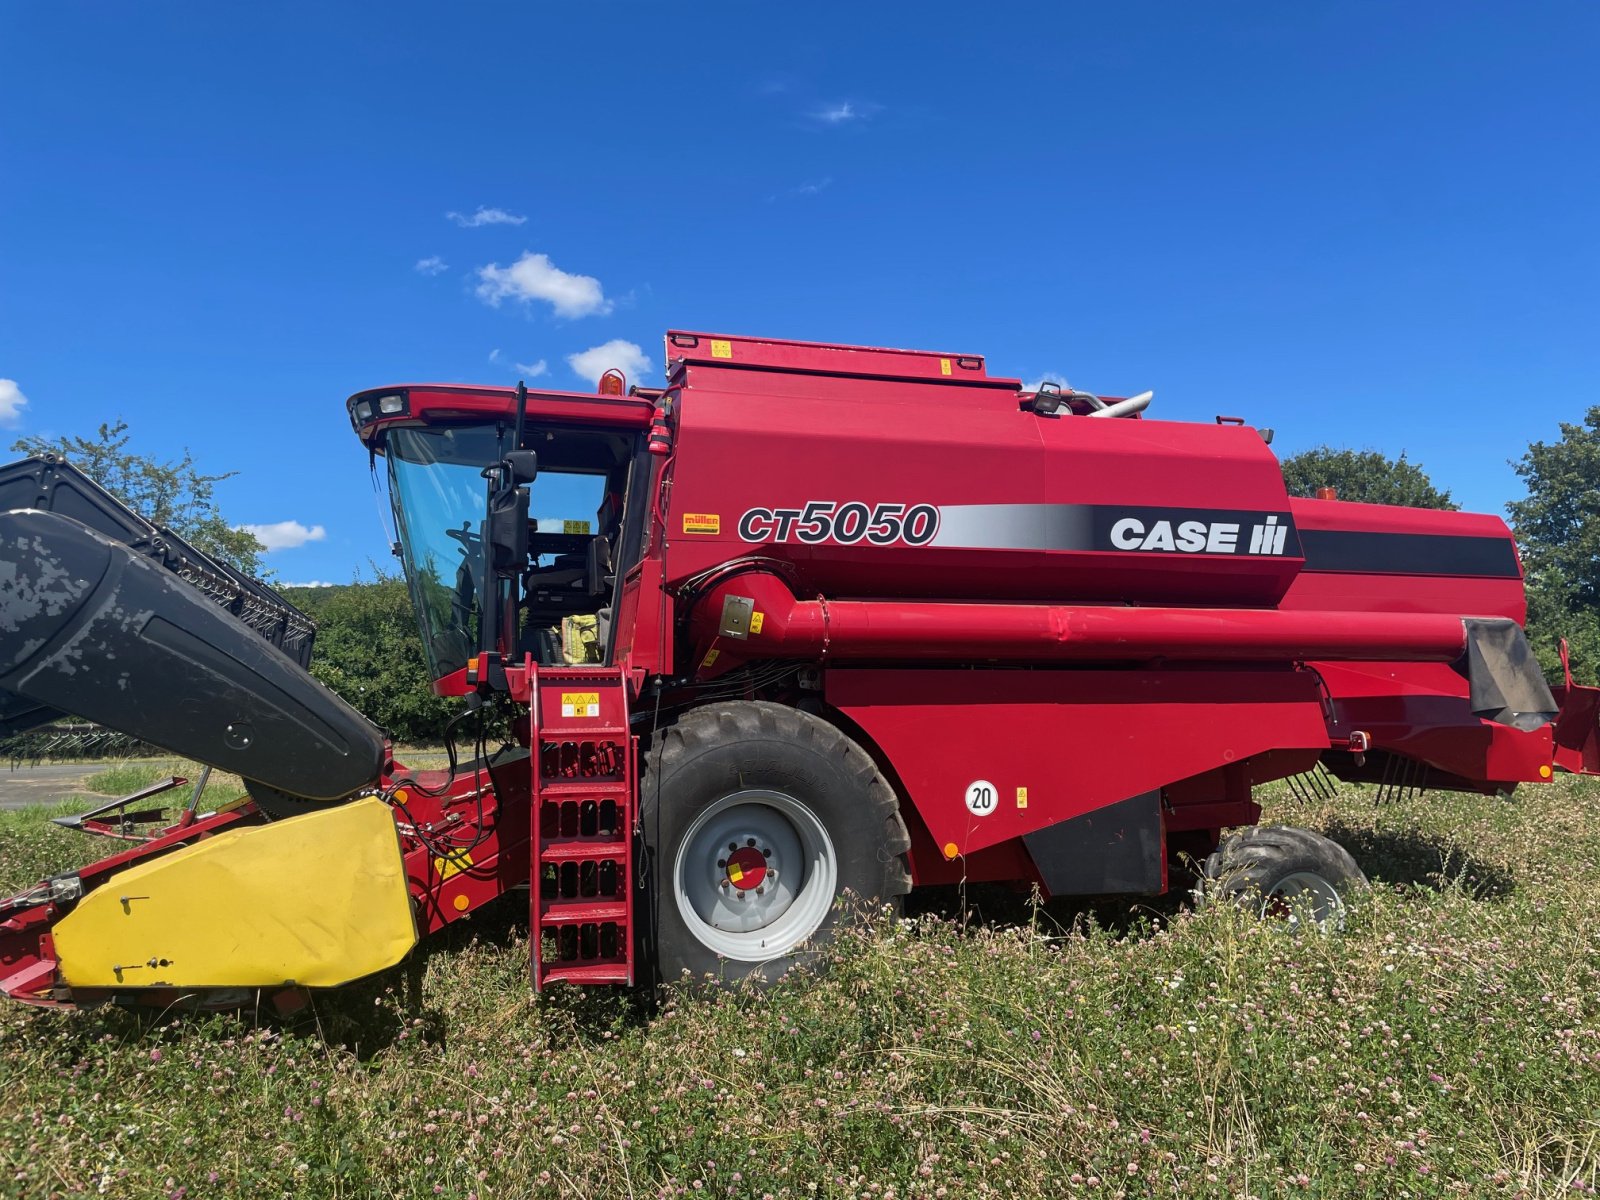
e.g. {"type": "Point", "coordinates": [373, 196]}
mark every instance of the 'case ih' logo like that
{"type": "Point", "coordinates": [1200, 537]}
{"type": "Point", "coordinates": [846, 524]}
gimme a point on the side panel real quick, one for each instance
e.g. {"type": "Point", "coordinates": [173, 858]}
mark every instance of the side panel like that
{"type": "Point", "coordinates": [1051, 745]}
{"type": "Point", "coordinates": [1383, 558]}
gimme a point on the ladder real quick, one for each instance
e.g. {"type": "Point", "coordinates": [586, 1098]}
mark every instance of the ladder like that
{"type": "Point", "coordinates": [580, 921]}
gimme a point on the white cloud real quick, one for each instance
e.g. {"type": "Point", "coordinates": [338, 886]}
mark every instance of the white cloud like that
{"type": "Point", "coordinates": [308, 583]}
{"type": "Point", "coordinates": [1048, 377]}
{"type": "Point", "coordinates": [12, 402]}
{"type": "Point", "coordinates": [484, 216]}
{"type": "Point", "coordinates": [494, 355]}
{"type": "Point", "coordinates": [285, 535]}
{"type": "Point", "coordinates": [534, 369]}
{"type": "Point", "coordinates": [535, 277]}
{"type": "Point", "coordinates": [624, 356]}
{"type": "Point", "coordinates": [432, 265]}
{"type": "Point", "coordinates": [844, 112]}
{"type": "Point", "coordinates": [811, 187]}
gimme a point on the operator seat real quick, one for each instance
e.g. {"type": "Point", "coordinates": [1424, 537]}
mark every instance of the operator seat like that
{"type": "Point", "coordinates": [567, 573]}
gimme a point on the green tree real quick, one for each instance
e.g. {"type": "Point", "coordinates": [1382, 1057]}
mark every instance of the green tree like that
{"type": "Point", "coordinates": [1558, 528]}
{"type": "Point", "coordinates": [369, 652]}
{"type": "Point", "coordinates": [1363, 475]}
{"type": "Point", "coordinates": [173, 493]}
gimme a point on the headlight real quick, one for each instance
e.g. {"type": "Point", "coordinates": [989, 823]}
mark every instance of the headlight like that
{"type": "Point", "coordinates": [364, 411]}
{"type": "Point", "coordinates": [392, 403]}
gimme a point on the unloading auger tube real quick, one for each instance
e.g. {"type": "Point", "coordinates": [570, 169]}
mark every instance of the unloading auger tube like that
{"type": "Point", "coordinates": [128, 626]}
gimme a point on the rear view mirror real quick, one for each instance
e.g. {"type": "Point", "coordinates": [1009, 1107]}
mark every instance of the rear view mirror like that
{"type": "Point", "coordinates": [523, 465]}
{"type": "Point", "coordinates": [507, 531]}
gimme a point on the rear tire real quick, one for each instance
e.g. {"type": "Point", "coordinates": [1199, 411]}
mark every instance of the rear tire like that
{"type": "Point", "coordinates": [757, 817]}
{"type": "Point", "coordinates": [1291, 874]}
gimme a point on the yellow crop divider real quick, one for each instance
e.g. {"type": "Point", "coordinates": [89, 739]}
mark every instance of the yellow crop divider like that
{"type": "Point", "coordinates": [316, 900]}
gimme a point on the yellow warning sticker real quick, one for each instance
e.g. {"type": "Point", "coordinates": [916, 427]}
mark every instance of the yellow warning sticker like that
{"type": "Point", "coordinates": [757, 620]}
{"type": "Point", "coordinates": [1022, 797]}
{"type": "Point", "coordinates": [702, 522]}
{"type": "Point", "coordinates": [711, 657]}
{"type": "Point", "coordinates": [944, 366]}
{"type": "Point", "coordinates": [580, 704]}
{"type": "Point", "coordinates": [735, 872]}
{"type": "Point", "coordinates": [574, 527]}
{"type": "Point", "coordinates": [720, 349]}
{"type": "Point", "coordinates": [446, 868]}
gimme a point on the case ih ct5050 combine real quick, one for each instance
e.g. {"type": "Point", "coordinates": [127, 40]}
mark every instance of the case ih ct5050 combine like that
{"type": "Point", "coordinates": [831, 619]}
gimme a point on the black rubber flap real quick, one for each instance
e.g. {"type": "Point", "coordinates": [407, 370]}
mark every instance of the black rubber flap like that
{"type": "Point", "coordinates": [1508, 686]}
{"type": "Point", "coordinates": [1115, 850]}
{"type": "Point", "coordinates": [92, 627]}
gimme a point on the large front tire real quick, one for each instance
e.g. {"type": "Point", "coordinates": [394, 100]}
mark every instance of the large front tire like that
{"type": "Point", "coordinates": [757, 818]}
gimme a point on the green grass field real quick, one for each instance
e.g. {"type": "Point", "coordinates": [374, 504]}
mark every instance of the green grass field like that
{"type": "Point", "coordinates": [1448, 1044]}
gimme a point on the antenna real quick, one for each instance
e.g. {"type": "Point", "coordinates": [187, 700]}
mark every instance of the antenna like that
{"type": "Point", "coordinates": [522, 414]}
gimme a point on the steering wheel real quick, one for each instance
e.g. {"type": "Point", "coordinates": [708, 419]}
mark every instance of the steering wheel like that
{"type": "Point", "coordinates": [469, 538]}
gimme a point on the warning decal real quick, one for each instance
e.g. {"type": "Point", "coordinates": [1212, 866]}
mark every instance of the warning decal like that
{"type": "Point", "coordinates": [580, 704]}
{"type": "Point", "coordinates": [454, 865]}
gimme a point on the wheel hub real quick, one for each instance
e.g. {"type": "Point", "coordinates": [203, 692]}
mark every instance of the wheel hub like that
{"type": "Point", "coordinates": [754, 875]}
{"type": "Point", "coordinates": [747, 868]}
{"type": "Point", "coordinates": [1305, 896]}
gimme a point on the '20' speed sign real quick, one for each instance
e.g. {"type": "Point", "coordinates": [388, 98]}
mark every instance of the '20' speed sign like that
{"type": "Point", "coordinates": [982, 797]}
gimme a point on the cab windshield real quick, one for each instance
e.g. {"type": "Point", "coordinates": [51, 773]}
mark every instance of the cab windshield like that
{"type": "Point", "coordinates": [437, 485]}
{"type": "Point", "coordinates": [576, 507]}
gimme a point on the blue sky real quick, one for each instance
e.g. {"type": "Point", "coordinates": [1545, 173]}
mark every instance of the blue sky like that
{"type": "Point", "coordinates": [1366, 224]}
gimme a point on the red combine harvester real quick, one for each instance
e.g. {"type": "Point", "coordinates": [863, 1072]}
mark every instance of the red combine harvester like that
{"type": "Point", "coordinates": [811, 619]}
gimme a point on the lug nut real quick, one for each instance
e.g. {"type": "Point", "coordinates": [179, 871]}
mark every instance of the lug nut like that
{"type": "Point", "coordinates": [749, 841]}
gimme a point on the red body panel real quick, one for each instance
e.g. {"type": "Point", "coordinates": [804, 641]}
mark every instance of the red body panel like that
{"type": "Point", "coordinates": [1071, 741]}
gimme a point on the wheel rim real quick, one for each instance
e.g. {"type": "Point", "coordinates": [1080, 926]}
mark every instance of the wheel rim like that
{"type": "Point", "coordinates": [755, 875]}
{"type": "Point", "coordinates": [1305, 897]}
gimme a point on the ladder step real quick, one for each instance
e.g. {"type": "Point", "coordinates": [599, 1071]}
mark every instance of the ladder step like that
{"type": "Point", "coordinates": [600, 791]}
{"type": "Point", "coordinates": [609, 971]}
{"type": "Point", "coordinates": [583, 912]}
{"type": "Point", "coordinates": [582, 733]}
{"type": "Point", "coordinates": [577, 850]}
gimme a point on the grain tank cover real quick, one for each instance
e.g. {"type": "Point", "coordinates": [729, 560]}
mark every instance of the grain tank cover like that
{"type": "Point", "coordinates": [874, 473]}
{"type": "Point", "coordinates": [861, 362]}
